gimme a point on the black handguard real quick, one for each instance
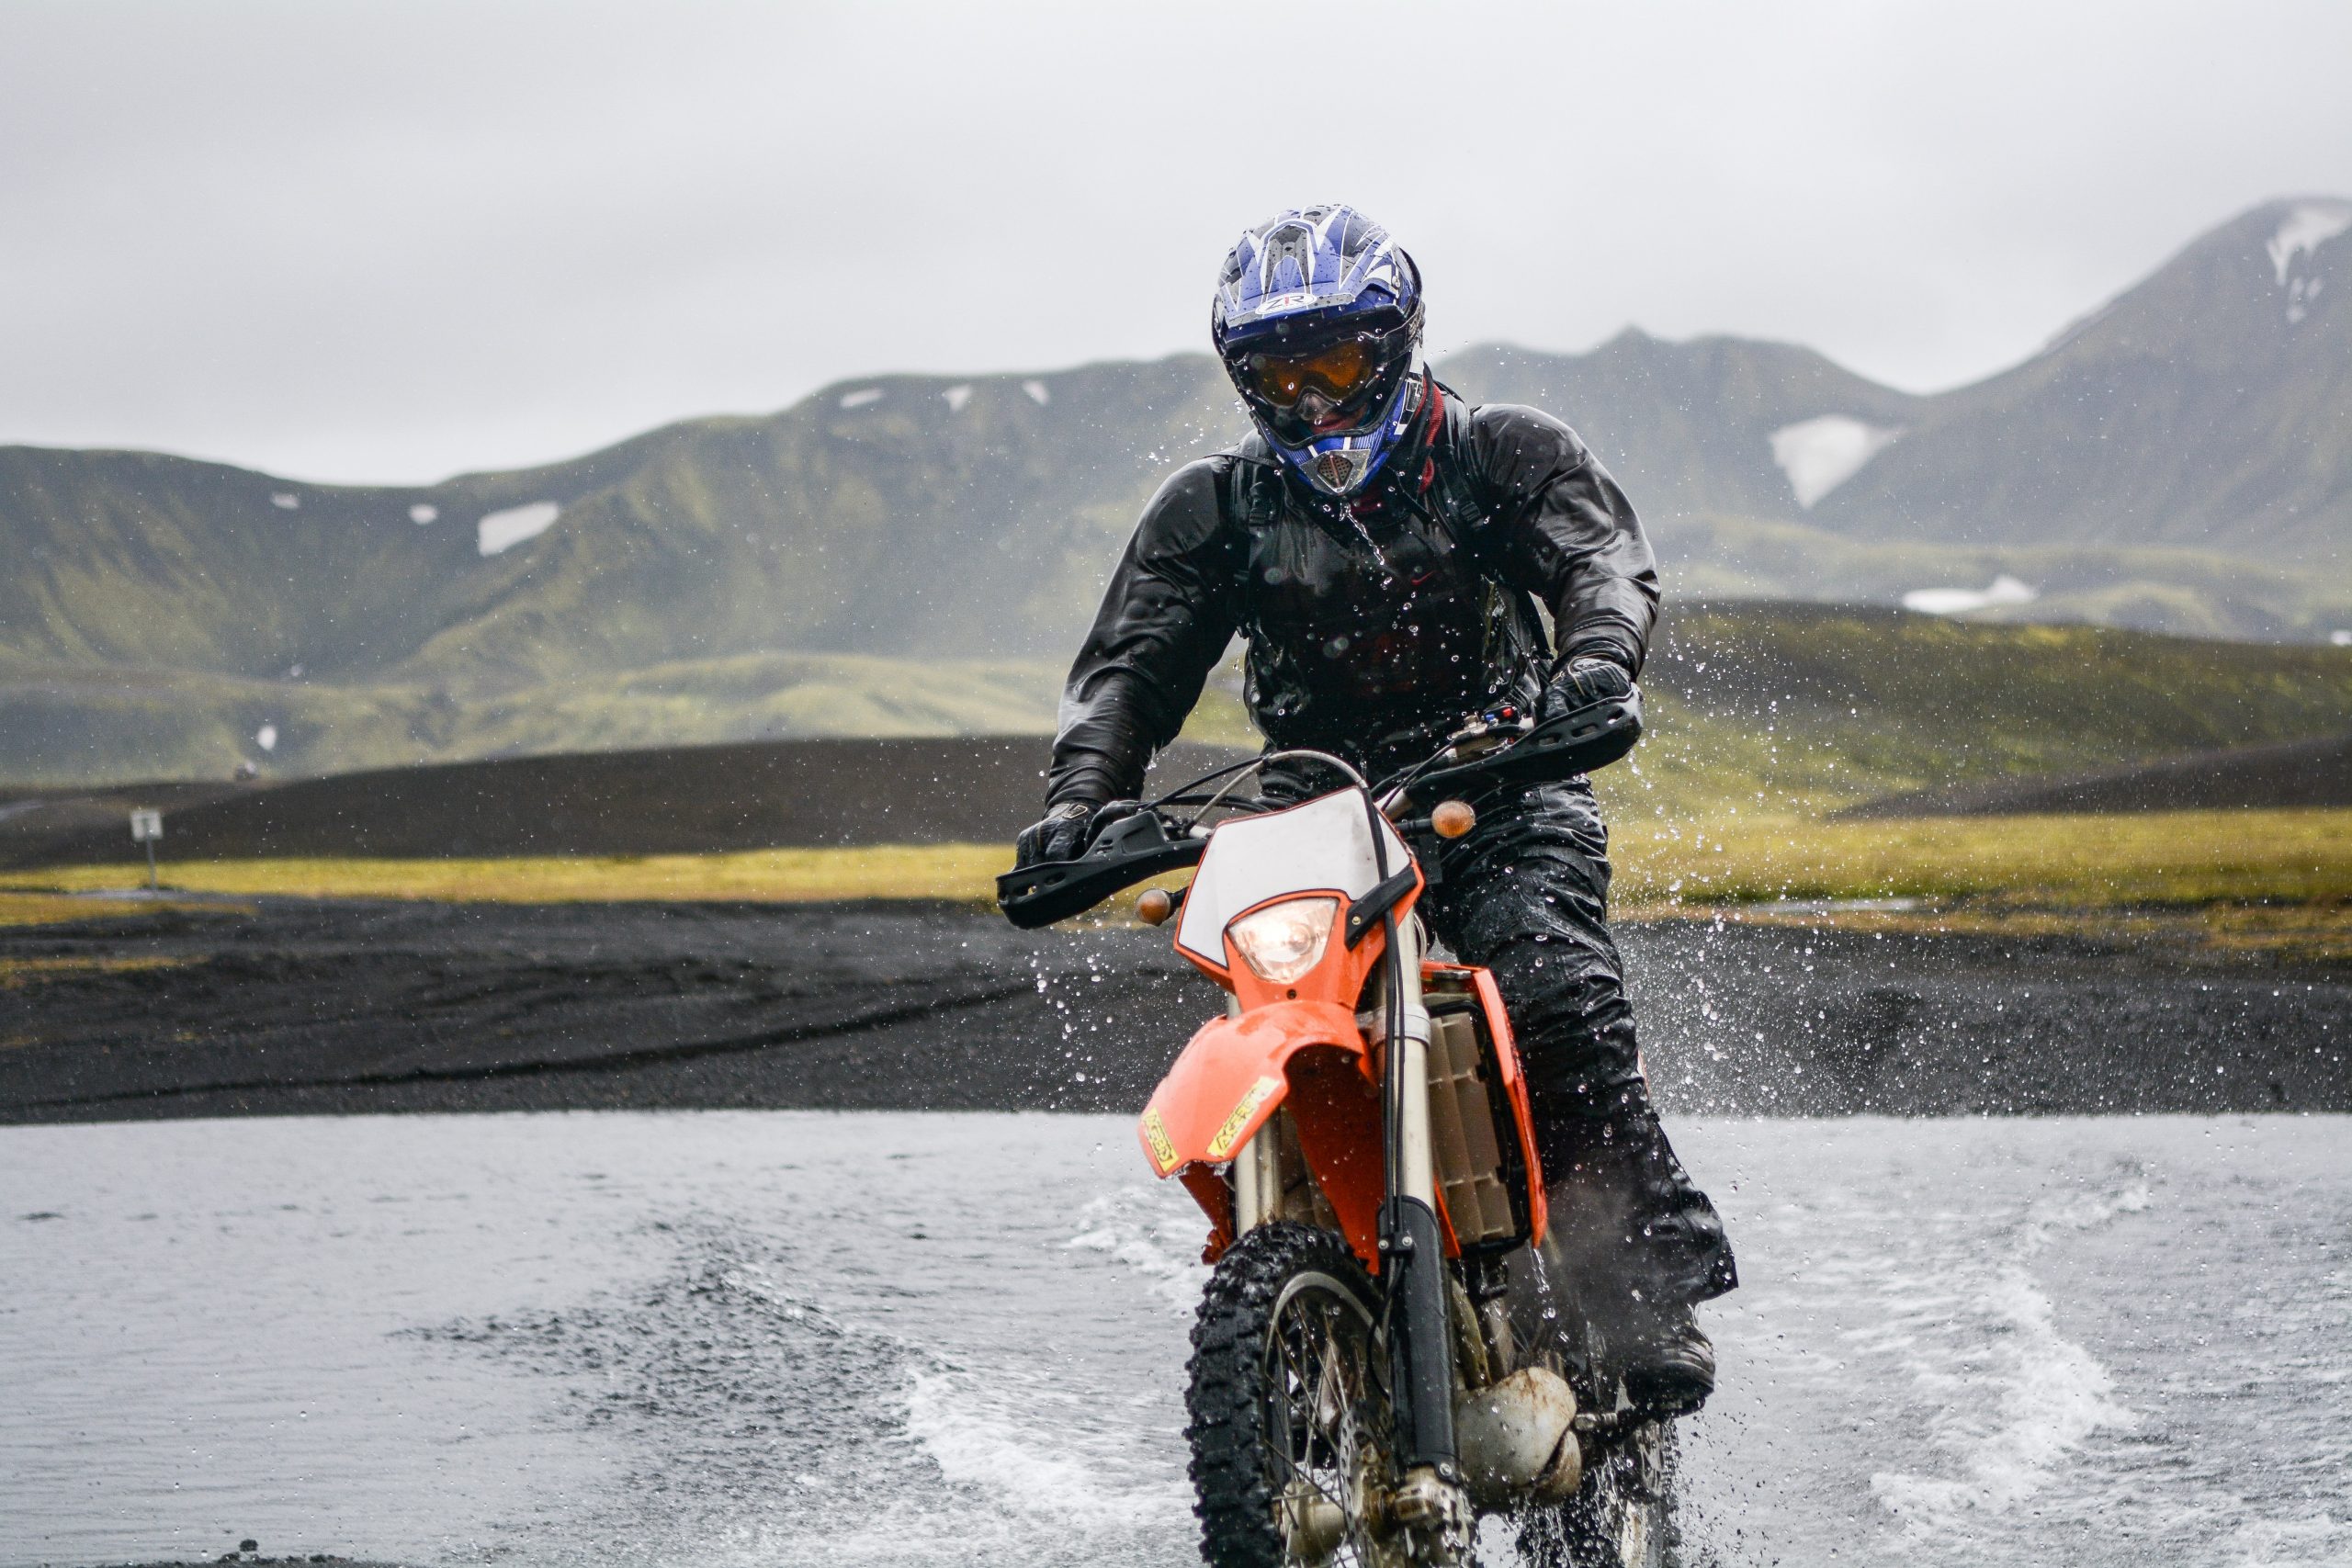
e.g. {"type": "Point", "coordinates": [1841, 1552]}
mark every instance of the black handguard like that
{"type": "Point", "coordinates": [1124, 853]}
{"type": "Point", "coordinates": [1578, 741]}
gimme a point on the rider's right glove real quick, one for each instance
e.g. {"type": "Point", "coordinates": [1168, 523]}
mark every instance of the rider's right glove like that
{"type": "Point", "coordinates": [1064, 832]}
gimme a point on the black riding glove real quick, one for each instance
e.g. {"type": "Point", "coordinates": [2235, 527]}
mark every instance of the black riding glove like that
{"type": "Point", "coordinates": [1064, 832]}
{"type": "Point", "coordinates": [1581, 682]}
{"type": "Point", "coordinates": [1059, 835]}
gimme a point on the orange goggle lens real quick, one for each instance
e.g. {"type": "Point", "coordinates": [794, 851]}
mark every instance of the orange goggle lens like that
{"type": "Point", "coordinates": [1338, 372]}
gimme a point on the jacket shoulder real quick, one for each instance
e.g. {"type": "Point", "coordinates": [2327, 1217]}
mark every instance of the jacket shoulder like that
{"type": "Point", "coordinates": [1514, 441]}
{"type": "Point", "coordinates": [1187, 507]}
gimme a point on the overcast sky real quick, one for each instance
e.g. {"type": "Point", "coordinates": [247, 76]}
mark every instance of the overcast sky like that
{"type": "Point", "coordinates": [390, 242]}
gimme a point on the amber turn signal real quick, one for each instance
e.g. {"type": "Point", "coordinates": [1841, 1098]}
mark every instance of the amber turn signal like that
{"type": "Point", "coordinates": [1154, 907]}
{"type": "Point", "coordinates": [1453, 818]}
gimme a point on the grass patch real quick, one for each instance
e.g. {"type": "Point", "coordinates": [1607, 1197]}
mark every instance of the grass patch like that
{"type": "Point", "coordinates": [958, 872]}
{"type": "Point", "coordinates": [2297, 932]}
{"type": "Point", "coordinates": [2072, 861]}
{"type": "Point", "coordinates": [2183, 859]}
{"type": "Point", "coordinates": [56, 909]}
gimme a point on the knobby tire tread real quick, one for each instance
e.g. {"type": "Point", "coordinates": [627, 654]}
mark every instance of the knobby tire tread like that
{"type": "Point", "coordinates": [1226, 1401]}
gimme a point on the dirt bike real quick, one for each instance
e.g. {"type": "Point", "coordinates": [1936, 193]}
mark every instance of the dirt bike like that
{"type": "Point", "coordinates": [1390, 1346]}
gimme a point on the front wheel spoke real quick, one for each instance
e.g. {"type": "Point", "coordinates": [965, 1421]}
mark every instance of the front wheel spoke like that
{"type": "Point", "coordinates": [1296, 1412]}
{"type": "Point", "coordinates": [1335, 1411]}
{"type": "Point", "coordinates": [1314, 1411]}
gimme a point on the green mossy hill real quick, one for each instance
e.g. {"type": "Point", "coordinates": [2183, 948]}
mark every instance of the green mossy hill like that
{"type": "Point", "coordinates": [1687, 426]}
{"type": "Point", "coordinates": [1796, 706]}
{"type": "Point", "coordinates": [1786, 706]}
{"type": "Point", "coordinates": [2185, 592]}
{"type": "Point", "coordinates": [70, 728]}
{"type": "Point", "coordinates": [134, 558]}
{"type": "Point", "coordinates": [904, 516]}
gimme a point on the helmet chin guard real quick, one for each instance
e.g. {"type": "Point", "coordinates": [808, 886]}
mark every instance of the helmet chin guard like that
{"type": "Point", "coordinates": [1300, 284]}
{"type": "Point", "coordinates": [1339, 466]}
{"type": "Point", "coordinates": [1338, 471]}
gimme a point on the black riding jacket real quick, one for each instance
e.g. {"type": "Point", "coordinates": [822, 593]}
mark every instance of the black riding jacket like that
{"type": "Point", "coordinates": [1375, 624]}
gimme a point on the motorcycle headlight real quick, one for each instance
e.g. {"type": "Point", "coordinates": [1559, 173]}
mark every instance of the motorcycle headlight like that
{"type": "Point", "coordinates": [1283, 941]}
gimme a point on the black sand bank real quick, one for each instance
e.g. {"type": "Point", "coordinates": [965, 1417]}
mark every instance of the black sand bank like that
{"type": "Point", "coordinates": [353, 1007]}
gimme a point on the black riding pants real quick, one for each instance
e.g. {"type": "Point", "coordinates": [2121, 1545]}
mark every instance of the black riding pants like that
{"type": "Point", "coordinates": [1525, 893]}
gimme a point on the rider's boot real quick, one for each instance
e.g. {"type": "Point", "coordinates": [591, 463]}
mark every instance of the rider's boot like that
{"type": "Point", "coordinates": [1669, 1366]}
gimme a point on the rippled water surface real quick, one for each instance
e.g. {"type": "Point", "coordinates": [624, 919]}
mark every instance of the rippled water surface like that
{"type": "Point", "coordinates": [797, 1339]}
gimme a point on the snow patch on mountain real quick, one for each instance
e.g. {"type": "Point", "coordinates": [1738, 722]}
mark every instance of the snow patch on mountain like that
{"type": "Point", "coordinates": [957, 395]}
{"type": "Point", "coordinates": [504, 530]}
{"type": "Point", "coordinates": [862, 397]}
{"type": "Point", "coordinates": [2004, 590]}
{"type": "Point", "coordinates": [1819, 455]}
{"type": "Point", "coordinates": [2307, 226]}
{"type": "Point", "coordinates": [1038, 393]}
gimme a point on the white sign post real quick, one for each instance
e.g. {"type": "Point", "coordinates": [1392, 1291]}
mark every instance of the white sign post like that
{"type": "Point", "coordinates": [146, 826]}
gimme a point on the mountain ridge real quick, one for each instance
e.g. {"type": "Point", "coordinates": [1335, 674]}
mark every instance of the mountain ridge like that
{"type": "Point", "coordinates": [911, 528]}
{"type": "Point", "coordinates": [2240, 430]}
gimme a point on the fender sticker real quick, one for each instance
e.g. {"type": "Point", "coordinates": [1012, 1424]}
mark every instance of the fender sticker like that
{"type": "Point", "coordinates": [1222, 1145]}
{"type": "Point", "coordinates": [1155, 1138]}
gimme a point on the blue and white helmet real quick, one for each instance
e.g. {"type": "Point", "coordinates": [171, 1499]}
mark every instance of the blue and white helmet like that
{"type": "Point", "coordinates": [1317, 317]}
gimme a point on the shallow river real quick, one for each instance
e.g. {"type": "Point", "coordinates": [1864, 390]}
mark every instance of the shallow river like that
{"type": "Point", "coordinates": [785, 1338]}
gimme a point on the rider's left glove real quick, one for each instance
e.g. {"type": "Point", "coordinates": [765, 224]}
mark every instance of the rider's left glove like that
{"type": "Point", "coordinates": [1580, 683]}
{"type": "Point", "coordinates": [1064, 832]}
{"type": "Point", "coordinates": [1059, 835]}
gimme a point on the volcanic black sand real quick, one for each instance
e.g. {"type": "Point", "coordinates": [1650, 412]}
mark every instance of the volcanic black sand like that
{"type": "Point", "coordinates": [294, 1006]}
{"type": "Point", "coordinates": [671, 800]}
{"type": "Point", "coordinates": [2290, 773]}
{"type": "Point", "coordinates": [760, 794]}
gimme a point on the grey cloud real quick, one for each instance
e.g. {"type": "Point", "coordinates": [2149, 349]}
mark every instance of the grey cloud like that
{"type": "Point", "coordinates": [387, 241]}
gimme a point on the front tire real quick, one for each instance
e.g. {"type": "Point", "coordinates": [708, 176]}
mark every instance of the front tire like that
{"type": "Point", "coordinates": [1289, 1422]}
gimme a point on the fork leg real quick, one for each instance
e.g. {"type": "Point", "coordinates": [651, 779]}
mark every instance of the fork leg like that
{"type": "Point", "coordinates": [1420, 1345]}
{"type": "Point", "coordinates": [1257, 1181]}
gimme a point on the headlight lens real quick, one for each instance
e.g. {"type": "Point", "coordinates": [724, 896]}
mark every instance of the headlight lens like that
{"type": "Point", "coordinates": [1285, 941]}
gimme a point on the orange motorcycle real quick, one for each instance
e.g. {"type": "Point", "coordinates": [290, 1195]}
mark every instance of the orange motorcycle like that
{"type": "Point", "coordinates": [1388, 1347]}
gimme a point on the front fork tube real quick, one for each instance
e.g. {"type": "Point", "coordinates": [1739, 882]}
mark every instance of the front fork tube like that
{"type": "Point", "coordinates": [1257, 1169]}
{"type": "Point", "coordinates": [1256, 1182]}
{"type": "Point", "coordinates": [1412, 1248]}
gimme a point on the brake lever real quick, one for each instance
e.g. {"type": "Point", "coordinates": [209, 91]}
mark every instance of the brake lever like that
{"type": "Point", "coordinates": [1496, 732]}
{"type": "Point", "coordinates": [1579, 741]}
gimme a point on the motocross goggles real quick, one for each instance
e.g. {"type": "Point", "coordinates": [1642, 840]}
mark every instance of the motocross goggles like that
{"type": "Point", "coordinates": [1331, 383]}
{"type": "Point", "coordinates": [1338, 371]}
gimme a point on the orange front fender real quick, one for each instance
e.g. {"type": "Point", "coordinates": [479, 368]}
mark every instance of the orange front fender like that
{"type": "Point", "coordinates": [1232, 1077]}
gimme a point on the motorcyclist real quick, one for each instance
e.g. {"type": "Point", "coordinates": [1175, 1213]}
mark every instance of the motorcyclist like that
{"type": "Point", "coordinates": [1383, 547]}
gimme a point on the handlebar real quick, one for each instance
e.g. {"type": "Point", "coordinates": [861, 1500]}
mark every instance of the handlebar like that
{"type": "Point", "coordinates": [1123, 855]}
{"type": "Point", "coordinates": [1579, 741]}
{"type": "Point", "coordinates": [1140, 846]}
